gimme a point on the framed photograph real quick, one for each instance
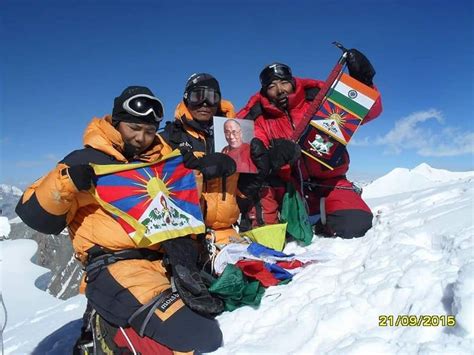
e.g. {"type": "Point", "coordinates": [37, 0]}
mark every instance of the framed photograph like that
{"type": "Point", "coordinates": [232, 136]}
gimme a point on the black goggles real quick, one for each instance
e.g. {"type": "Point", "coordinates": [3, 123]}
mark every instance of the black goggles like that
{"type": "Point", "coordinates": [280, 71]}
{"type": "Point", "coordinates": [142, 105]}
{"type": "Point", "coordinates": [197, 96]}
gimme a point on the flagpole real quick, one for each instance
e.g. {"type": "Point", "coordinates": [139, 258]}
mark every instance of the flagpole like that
{"type": "Point", "coordinates": [316, 103]}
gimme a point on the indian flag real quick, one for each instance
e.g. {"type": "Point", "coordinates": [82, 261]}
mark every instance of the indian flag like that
{"type": "Point", "coordinates": [352, 95]}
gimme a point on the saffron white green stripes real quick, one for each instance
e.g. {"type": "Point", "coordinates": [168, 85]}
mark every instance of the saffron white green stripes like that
{"type": "Point", "coordinates": [352, 95]}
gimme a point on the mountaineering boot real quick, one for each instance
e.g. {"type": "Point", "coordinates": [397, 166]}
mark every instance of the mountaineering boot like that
{"type": "Point", "coordinates": [104, 334]}
{"type": "Point", "coordinates": [85, 343]}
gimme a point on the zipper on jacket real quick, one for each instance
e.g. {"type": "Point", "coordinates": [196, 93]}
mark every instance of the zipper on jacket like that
{"type": "Point", "coordinates": [290, 119]}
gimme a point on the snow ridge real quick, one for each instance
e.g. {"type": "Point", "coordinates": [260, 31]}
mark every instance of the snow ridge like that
{"type": "Point", "coordinates": [401, 180]}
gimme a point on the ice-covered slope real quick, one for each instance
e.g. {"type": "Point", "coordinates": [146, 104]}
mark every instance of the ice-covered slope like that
{"type": "Point", "coordinates": [32, 313]}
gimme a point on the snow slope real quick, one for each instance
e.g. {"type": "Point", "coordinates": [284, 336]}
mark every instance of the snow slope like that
{"type": "Point", "coordinates": [32, 313]}
{"type": "Point", "coordinates": [416, 260]}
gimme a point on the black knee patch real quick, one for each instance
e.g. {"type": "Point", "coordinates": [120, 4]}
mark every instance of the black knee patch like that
{"type": "Point", "coordinates": [349, 224]}
{"type": "Point", "coordinates": [185, 331]}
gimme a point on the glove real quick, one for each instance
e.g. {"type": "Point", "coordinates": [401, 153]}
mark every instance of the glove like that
{"type": "Point", "coordinates": [211, 166]}
{"type": "Point", "coordinates": [282, 152]}
{"type": "Point", "coordinates": [360, 67]}
{"type": "Point", "coordinates": [181, 257]}
{"type": "Point", "coordinates": [260, 157]}
{"type": "Point", "coordinates": [81, 176]}
{"type": "Point", "coordinates": [250, 184]}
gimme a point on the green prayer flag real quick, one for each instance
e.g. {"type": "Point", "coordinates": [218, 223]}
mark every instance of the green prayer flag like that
{"type": "Point", "coordinates": [294, 213]}
{"type": "Point", "coordinates": [235, 290]}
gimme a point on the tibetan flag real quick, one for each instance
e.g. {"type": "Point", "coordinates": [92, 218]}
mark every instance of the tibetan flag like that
{"type": "Point", "coordinates": [335, 121]}
{"type": "Point", "coordinates": [153, 202]}
{"type": "Point", "coordinates": [353, 96]}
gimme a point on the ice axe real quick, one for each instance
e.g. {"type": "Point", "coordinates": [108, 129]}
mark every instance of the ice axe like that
{"type": "Point", "coordinates": [316, 103]}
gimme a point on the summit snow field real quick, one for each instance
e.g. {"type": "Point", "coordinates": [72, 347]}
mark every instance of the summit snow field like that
{"type": "Point", "coordinates": [417, 261]}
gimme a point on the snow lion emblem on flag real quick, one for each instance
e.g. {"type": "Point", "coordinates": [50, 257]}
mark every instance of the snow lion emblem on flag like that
{"type": "Point", "coordinates": [153, 202]}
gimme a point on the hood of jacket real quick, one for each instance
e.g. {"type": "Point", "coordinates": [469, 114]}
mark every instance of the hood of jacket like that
{"type": "Point", "coordinates": [226, 109]}
{"type": "Point", "coordinates": [295, 100]}
{"type": "Point", "coordinates": [100, 134]}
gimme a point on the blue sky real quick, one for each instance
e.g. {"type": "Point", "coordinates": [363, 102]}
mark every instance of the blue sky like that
{"type": "Point", "coordinates": [63, 62]}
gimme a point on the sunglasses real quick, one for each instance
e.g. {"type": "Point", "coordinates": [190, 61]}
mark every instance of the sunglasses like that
{"type": "Point", "coordinates": [273, 71]}
{"type": "Point", "coordinates": [197, 96]}
{"type": "Point", "coordinates": [142, 105]}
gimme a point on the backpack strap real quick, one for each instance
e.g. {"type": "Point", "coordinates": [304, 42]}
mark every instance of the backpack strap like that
{"type": "Point", "coordinates": [255, 111]}
{"type": "Point", "coordinates": [311, 93]}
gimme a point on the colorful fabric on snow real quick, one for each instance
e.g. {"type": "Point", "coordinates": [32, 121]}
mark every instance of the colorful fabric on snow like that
{"type": "Point", "coordinates": [239, 263]}
{"type": "Point", "coordinates": [272, 235]}
{"type": "Point", "coordinates": [262, 251]}
{"type": "Point", "coordinates": [153, 202]}
{"type": "Point", "coordinates": [268, 274]}
{"type": "Point", "coordinates": [337, 119]}
{"type": "Point", "coordinates": [294, 213]}
{"type": "Point", "coordinates": [233, 252]}
{"type": "Point", "coordinates": [234, 288]}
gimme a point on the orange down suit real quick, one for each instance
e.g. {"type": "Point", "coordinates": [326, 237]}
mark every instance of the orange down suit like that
{"type": "Point", "coordinates": [52, 203]}
{"type": "Point", "coordinates": [218, 197]}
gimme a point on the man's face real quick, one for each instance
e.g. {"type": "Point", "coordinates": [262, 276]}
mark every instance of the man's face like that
{"type": "Point", "coordinates": [137, 137]}
{"type": "Point", "coordinates": [278, 91]}
{"type": "Point", "coordinates": [203, 112]}
{"type": "Point", "coordinates": [233, 134]}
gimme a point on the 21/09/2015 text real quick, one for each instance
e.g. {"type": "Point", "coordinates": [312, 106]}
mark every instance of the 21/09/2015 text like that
{"type": "Point", "coordinates": [406, 320]}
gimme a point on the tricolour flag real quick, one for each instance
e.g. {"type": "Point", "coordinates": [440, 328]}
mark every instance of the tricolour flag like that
{"type": "Point", "coordinates": [153, 202]}
{"type": "Point", "coordinates": [353, 96]}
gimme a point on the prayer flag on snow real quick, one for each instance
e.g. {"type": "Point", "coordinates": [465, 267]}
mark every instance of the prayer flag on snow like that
{"type": "Point", "coordinates": [153, 202]}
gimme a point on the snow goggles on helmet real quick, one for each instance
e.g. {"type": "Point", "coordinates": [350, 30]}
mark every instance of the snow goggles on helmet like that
{"type": "Point", "coordinates": [197, 96]}
{"type": "Point", "coordinates": [275, 71]}
{"type": "Point", "coordinates": [142, 105]}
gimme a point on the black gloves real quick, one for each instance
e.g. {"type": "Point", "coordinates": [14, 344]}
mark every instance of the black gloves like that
{"type": "Point", "coordinates": [81, 176]}
{"type": "Point", "coordinates": [360, 67]}
{"type": "Point", "coordinates": [282, 152]}
{"type": "Point", "coordinates": [250, 184]}
{"type": "Point", "coordinates": [181, 257]}
{"type": "Point", "coordinates": [260, 157]}
{"type": "Point", "coordinates": [211, 166]}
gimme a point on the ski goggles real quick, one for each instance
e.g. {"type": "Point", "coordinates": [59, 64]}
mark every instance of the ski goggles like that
{"type": "Point", "coordinates": [197, 96]}
{"type": "Point", "coordinates": [276, 70]}
{"type": "Point", "coordinates": [142, 105]}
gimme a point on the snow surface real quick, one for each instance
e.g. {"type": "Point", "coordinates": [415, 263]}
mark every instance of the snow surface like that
{"type": "Point", "coordinates": [8, 189]}
{"type": "Point", "coordinates": [5, 227]}
{"type": "Point", "coordinates": [401, 180]}
{"type": "Point", "coordinates": [417, 260]}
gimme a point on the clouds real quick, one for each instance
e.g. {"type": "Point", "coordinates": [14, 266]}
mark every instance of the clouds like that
{"type": "Point", "coordinates": [424, 133]}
